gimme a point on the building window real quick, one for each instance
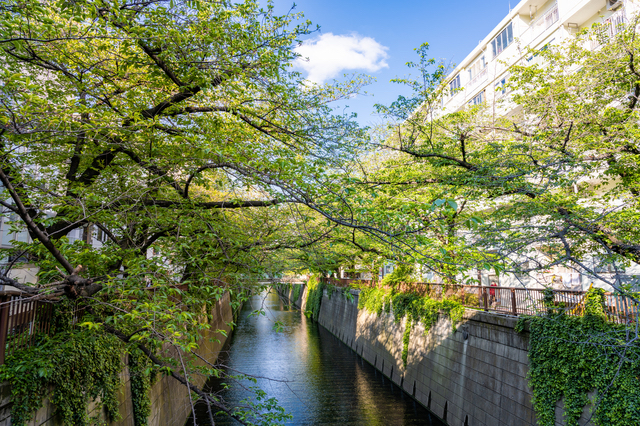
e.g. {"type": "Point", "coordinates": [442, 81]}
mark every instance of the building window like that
{"type": "Point", "coordinates": [74, 235]}
{"type": "Point", "coordinates": [501, 88]}
{"type": "Point", "coordinates": [551, 17]}
{"type": "Point", "coordinates": [388, 268]}
{"type": "Point", "coordinates": [504, 39]}
{"type": "Point", "coordinates": [7, 235]}
{"type": "Point", "coordinates": [477, 99]}
{"type": "Point", "coordinates": [455, 83]}
{"type": "Point", "coordinates": [542, 49]}
{"type": "Point", "coordinates": [477, 68]}
{"type": "Point", "coordinates": [101, 236]}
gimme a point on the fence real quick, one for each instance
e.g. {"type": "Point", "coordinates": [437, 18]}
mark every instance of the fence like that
{"type": "Point", "coordinates": [512, 300]}
{"type": "Point", "coordinates": [21, 320]}
{"type": "Point", "coordinates": [610, 27]}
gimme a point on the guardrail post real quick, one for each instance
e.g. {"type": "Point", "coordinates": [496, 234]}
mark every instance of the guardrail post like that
{"type": "Point", "coordinates": [514, 306]}
{"type": "Point", "coordinates": [484, 299]}
{"type": "Point", "coordinates": [4, 325]}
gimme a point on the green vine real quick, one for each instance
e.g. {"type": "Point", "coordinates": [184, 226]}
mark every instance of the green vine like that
{"type": "Point", "coordinates": [594, 304]}
{"type": "Point", "coordinates": [401, 274]}
{"type": "Point", "coordinates": [549, 302]}
{"type": "Point", "coordinates": [422, 308]}
{"type": "Point", "coordinates": [416, 308]}
{"type": "Point", "coordinates": [140, 381]}
{"type": "Point", "coordinates": [330, 289]}
{"type": "Point", "coordinates": [569, 357]}
{"type": "Point", "coordinates": [315, 290]}
{"type": "Point", "coordinates": [405, 339]}
{"type": "Point", "coordinates": [346, 293]}
{"type": "Point", "coordinates": [375, 300]}
{"type": "Point", "coordinates": [402, 304]}
{"type": "Point", "coordinates": [72, 368]}
{"type": "Point", "coordinates": [297, 289]}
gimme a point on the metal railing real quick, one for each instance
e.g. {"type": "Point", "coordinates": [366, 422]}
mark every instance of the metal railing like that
{"type": "Point", "coordinates": [609, 28]}
{"type": "Point", "coordinates": [479, 78]}
{"type": "Point", "coordinates": [21, 321]}
{"type": "Point", "coordinates": [514, 301]}
{"type": "Point", "coordinates": [540, 25]}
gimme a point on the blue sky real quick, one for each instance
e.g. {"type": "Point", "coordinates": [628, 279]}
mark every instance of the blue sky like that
{"type": "Point", "coordinates": [379, 38]}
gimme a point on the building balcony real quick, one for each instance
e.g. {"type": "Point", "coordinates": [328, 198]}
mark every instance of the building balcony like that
{"type": "Point", "coordinates": [610, 27]}
{"type": "Point", "coordinates": [479, 78]}
{"type": "Point", "coordinates": [540, 25]}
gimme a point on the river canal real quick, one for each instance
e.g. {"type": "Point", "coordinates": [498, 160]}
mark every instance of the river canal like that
{"type": "Point", "coordinates": [323, 382]}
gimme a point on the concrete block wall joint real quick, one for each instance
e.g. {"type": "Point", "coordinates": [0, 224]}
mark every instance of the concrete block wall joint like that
{"type": "Point", "coordinates": [444, 370]}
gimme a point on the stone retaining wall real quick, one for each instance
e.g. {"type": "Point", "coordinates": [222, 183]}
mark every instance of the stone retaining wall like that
{"type": "Point", "coordinates": [474, 376]}
{"type": "Point", "coordinates": [169, 399]}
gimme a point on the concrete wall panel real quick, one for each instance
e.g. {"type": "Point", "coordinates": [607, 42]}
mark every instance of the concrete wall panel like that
{"type": "Point", "coordinates": [170, 404]}
{"type": "Point", "coordinates": [481, 378]}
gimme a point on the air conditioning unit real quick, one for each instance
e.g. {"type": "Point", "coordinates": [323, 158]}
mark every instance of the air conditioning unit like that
{"type": "Point", "coordinates": [614, 4]}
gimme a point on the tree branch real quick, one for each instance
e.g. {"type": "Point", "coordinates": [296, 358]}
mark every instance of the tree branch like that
{"type": "Point", "coordinates": [33, 228]}
{"type": "Point", "coordinates": [210, 204]}
{"type": "Point", "coordinates": [183, 380]}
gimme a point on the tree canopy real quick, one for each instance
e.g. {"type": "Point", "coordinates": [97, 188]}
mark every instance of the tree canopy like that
{"type": "Point", "coordinates": [177, 133]}
{"type": "Point", "coordinates": [545, 175]}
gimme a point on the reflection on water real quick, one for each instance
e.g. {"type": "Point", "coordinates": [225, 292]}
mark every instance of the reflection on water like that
{"type": "Point", "coordinates": [321, 381]}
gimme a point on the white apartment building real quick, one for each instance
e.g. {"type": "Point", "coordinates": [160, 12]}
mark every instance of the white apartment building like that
{"type": "Point", "coordinates": [481, 76]}
{"type": "Point", "coordinates": [531, 24]}
{"type": "Point", "coordinates": [24, 272]}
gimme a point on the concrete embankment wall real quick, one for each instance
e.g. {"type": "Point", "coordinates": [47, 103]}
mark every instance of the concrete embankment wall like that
{"type": "Point", "coordinates": [170, 404]}
{"type": "Point", "coordinates": [473, 376]}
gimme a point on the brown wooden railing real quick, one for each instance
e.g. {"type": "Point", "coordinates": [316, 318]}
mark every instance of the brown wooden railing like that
{"type": "Point", "coordinates": [511, 300]}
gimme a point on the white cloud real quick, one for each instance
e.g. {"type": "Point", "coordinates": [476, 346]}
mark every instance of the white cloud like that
{"type": "Point", "coordinates": [328, 55]}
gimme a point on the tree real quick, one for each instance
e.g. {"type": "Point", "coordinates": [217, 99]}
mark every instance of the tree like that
{"type": "Point", "coordinates": [176, 129]}
{"type": "Point", "coordinates": [404, 177]}
{"type": "Point", "coordinates": [554, 183]}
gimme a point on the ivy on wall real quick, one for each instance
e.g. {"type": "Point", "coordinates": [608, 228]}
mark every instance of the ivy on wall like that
{"type": "Point", "coordinates": [570, 357]}
{"type": "Point", "coordinates": [140, 371]}
{"type": "Point", "coordinates": [374, 300]}
{"type": "Point", "coordinates": [401, 274]}
{"type": "Point", "coordinates": [315, 290]}
{"type": "Point", "coordinates": [72, 368]}
{"type": "Point", "coordinates": [405, 339]}
{"type": "Point", "coordinates": [416, 308]}
{"type": "Point", "coordinates": [297, 289]}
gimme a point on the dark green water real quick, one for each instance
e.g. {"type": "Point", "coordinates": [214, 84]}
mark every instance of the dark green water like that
{"type": "Point", "coordinates": [326, 383]}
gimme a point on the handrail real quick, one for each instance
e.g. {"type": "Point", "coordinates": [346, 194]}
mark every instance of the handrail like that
{"type": "Point", "coordinates": [610, 27]}
{"type": "Point", "coordinates": [23, 319]}
{"type": "Point", "coordinates": [540, 25]}
{"type": "Point", "coordinates": [482, 75]}
{"type": "Point", "coordinates": [515, 301]}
